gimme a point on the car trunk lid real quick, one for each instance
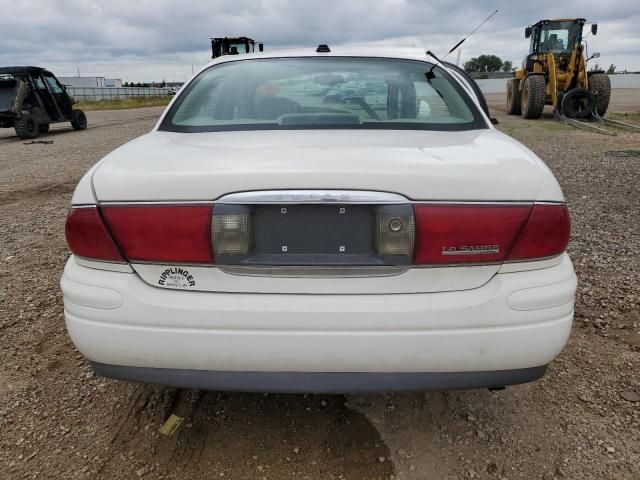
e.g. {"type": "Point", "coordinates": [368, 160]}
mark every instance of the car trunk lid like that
{"type": "Point", "coordinates": [479, 165]}
{"type": "Point", "coordinates": [203, 169]}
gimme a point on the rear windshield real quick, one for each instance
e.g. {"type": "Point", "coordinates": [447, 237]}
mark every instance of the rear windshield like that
{"type": "Point", "coordinates": [311, 93]}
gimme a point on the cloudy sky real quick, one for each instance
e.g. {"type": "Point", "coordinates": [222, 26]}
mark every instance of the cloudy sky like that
{"type": "Point", "coordinates": [144, 40]}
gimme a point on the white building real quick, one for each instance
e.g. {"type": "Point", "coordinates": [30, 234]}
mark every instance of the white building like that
{"type": "Point", "coordinates": [113, 82]}
{"type": "Point", "coordinates": [90, 82]}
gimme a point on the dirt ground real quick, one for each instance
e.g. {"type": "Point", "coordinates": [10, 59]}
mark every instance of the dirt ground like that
{"type": "Point", "coordinates": [582, 421]}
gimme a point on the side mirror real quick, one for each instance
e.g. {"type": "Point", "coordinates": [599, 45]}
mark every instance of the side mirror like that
{"type": "Point", "coordinates": [594, 28]}
{"type": "Point", "coordinates": [596, 55]}
{"type": "Point", "coordinates": [527, 32]}
{"type": "Point", "coordinates": [260, 47]}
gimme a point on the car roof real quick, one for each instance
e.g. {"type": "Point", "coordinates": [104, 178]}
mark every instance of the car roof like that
{"type": "Point", "coordinates": [21, 69]}
{"type": "Point", "coordinates": [410, 53]}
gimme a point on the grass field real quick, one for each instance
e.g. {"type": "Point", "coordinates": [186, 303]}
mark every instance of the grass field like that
{"type": "Point", "coordinates": [122, 103]}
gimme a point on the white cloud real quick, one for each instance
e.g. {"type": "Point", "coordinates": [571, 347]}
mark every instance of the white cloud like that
{"type": "Point", "coordinates": [150, 40]}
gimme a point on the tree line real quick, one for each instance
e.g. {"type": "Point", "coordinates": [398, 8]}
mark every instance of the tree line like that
{"type": "Point", "coordinates": [493, 63]}
{"type": "Point", "coordinates": [488, 63]}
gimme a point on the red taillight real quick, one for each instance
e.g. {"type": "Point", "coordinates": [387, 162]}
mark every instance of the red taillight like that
{"type": "Point", "coordinates": [162, 233]}
{"type": "Point", "coordinates": [545, 235]}
{"type": "Point", "coordinates": [467, 233]}
{"type": "Point", "coordinates": [88, 237]}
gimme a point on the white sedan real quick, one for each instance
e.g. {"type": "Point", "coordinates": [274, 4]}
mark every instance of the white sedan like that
{"type": "Point", "coordinates": [309, 221]}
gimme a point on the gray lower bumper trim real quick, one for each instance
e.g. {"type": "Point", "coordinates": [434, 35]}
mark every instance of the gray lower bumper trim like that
{"type": "Point", "coordinates": [318, 382]}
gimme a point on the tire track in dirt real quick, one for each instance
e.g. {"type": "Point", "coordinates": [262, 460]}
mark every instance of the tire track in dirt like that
{"type": "Point", "coordinates": [247, 436]}
{"type": "Point", "coordinates": [53, 133]}
{"type": "Point", "coordinates": [37, 191]}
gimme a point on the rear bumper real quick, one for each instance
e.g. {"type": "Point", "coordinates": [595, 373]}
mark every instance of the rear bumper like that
{"type": "Point", "coordinates": [501, 333]}
{"type": "Point", "coordinates": [312, 382]}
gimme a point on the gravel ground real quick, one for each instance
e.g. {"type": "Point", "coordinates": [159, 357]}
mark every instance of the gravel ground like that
{"type": "Point", "coordinates": [582, 421]}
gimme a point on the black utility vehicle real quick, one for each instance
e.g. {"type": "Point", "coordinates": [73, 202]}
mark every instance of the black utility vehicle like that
{"type": "Point", "coordinates": [32, 98]}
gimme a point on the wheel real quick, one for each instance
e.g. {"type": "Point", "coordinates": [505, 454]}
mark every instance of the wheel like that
{"type": "Point", "coordinates": [78, 120]}
{"type": "Point", "coordinates": [534, 92]}
{"type": "Point", "coordinates": [44, 127]}
{"type": "Point", "coordinates": [513, 97]}
{"type": "Point", "coordinates": [26, 126]}
{"type": "Point", "coordinates": [578, 103]}
{"type": "Point", "coordinates": [600, 86]}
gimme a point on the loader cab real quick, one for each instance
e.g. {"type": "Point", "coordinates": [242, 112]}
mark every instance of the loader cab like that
{"type": "Point", "coordinates": [233, 46]}
{"type": "Point", "coordinates": [556, 36]}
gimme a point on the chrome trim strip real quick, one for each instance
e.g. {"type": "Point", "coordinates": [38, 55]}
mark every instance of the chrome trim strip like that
{"type": "Point", "coordinates": [473, 202]}
{"type": "Point", "coordinates": [482, 251]}
{"type": "Point", "coordinates": [96, 260]}
{"type": "Point", "coordinates": [380, 201]}
{"type": "Point", "coordinates": [371, 270]}
{"type": "Point", "coordinates": [312, 271]}
{"type": "Point", "coordinates": [312, 197]}
{"type": "Point", "coordinates": [320, 271]}
{"type": "Point", "coordinates": [323, 196]}
{"type": "Point", "coordinates": [158, 202]}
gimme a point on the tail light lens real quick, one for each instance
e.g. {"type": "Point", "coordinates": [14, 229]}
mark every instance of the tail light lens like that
{"type": "Point", "coordinates": [88, 237]}
{"type": "Point", "coordinates": [434, 233]}
{"type": "Point", "coordinates": [467, 233]}
{"type": "Point", "coordinates": [546, 234]}
{"type": "Point", "coordinates": [162, 233]}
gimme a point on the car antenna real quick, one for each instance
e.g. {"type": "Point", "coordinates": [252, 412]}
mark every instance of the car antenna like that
{"type": "Point", "coordinates": [430, 74]}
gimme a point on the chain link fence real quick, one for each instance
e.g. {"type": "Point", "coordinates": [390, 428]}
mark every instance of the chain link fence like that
{"type": "Point", "coordinates": [109, 93]}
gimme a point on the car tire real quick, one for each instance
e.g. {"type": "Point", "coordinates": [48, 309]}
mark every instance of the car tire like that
{"type": "Point", "coordinates": [44, 127]}
{"type": "Point", "coordinates": [26, 126]}
{"type": "Point", "coordinates": [513, 97]}
{"type": "Point", "coordinates": [533, 95]}
{"type": "Point", "coordinates": [600, 86]}
{"type": "Point", "coordinates": [78, 120]}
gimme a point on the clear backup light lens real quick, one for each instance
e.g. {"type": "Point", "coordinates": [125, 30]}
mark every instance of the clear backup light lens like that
{"type": "Point", "coordinates": [395, 234]}
{"type": "Point", "coordinates": [232, 233]}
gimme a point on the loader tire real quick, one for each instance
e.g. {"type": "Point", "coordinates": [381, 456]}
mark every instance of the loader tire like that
{"type": "Point", "coordinates": [513, 97]}
{"type": "Point", "coordinates": [600, 86]}
{"type": "Point", "coordinates": [533, 95]}
{"type": "Point", "coordinates": [44, 127]}
{"type": "Point", "coordinates": [26, 126]}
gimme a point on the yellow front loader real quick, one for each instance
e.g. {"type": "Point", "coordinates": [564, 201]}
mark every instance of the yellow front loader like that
{"type": "Point", "coordinates": [555, 73]}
